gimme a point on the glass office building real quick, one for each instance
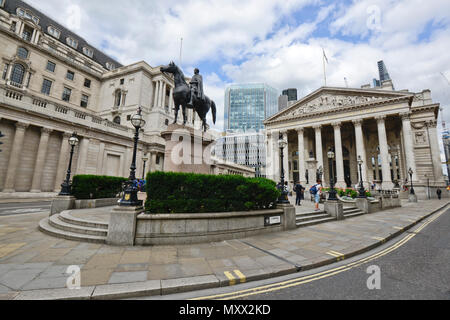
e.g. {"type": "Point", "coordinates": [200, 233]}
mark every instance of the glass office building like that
{"type": "Point", "coordinates": [248, 105]}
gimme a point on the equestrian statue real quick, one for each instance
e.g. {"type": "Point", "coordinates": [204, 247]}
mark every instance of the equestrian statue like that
{"type": "Point", "coordinates": [190, 96]}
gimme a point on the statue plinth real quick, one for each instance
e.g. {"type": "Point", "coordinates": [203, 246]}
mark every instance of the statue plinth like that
{"type": "Point", "coordinates": [187, 150]}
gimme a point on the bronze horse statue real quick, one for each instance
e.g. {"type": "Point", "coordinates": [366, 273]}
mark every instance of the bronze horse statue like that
{"type": "Point", "coordinates": [182, 95]}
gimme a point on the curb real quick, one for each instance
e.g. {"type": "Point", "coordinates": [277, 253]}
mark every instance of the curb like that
{"type": "Point", "coordinates": [171, 286]}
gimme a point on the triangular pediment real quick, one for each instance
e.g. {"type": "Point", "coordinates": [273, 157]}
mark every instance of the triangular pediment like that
{"type": "Point", "coordinates": [330, 99]}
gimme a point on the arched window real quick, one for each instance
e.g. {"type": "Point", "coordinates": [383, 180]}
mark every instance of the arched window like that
{"type": "Point", "coordinates": [118, 98]}
{"type": "Point", "coordinates": [18, 73]}
{"type": "Point", "coordinates": [166, 122]}
{"type": "Point", "coordinates": [22, 53]}
{"type": "Point", "coordinates": [117, 120]}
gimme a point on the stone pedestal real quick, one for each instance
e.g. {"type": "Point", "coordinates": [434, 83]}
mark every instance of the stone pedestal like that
{"type": "Point", "coordinates": [61, 204]}
{"type": "Point", "coordinates": [412, 198]}
{"type": "Point", "coordinates": [335, 209]}
{"type": "Point", "coordinates": [289, 216]}
{"type": "Point", "coordinates": [122, 226]}
{"type": "Point", "coordinates": [187, 150]}
{"type": "Point", "coordinates": [364, 205]}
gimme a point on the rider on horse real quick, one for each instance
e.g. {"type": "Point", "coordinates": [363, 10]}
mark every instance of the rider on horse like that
{"type": "Point", "coordinates": [196, 88]}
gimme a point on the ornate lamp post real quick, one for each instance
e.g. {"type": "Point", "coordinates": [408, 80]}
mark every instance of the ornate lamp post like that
{"type": "Point", "coordinates": [145, 159]}
{"type": "Point", "coordinates": [411, 172]}
{"type": "Point", "coordinates": [66, 187]}
{"type": "Point", "coordinates": [130, 191]}
{"type": "Point", "coordinates": [362, 191]}
{"type": "Point", "coordinates": [284, 195]}
{"type": "Point", "coordinates": [332, 193]}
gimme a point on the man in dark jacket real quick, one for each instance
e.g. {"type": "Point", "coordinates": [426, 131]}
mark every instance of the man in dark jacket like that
{"type": "Point", "coordinates": [439, 193]}
{"type": "Point", "coordinates": [299, 190]}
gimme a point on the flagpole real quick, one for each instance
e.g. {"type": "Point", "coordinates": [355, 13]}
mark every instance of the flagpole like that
{"type": "Point", "coordinates": [324, 71]}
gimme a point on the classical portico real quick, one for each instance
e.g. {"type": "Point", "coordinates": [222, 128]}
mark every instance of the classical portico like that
{"type": "Point", "coordinates": [391, 131]}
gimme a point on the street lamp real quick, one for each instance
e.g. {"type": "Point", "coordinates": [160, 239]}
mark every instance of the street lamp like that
{"type": "Point", "coordinates": [362, 191]}
{"type": "Point", "coordinates": [130, 191]}
{"type": "Point", "coordinates": [284, 195]}
{"type": "Point", "coordinates": [411, 172]}
{"type": "Point", "coordinates": [66, 187]}
{"type": "Point", "coordinates": [332, 193]}
{"type": "Point", "coordinates": [145, 159]}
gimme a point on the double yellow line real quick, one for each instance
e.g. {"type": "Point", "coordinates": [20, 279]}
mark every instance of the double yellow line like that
{"type": "Point", "coordinates": [325, 274]}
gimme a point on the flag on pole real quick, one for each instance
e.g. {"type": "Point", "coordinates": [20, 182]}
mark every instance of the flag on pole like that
{"type": "Point", "coordinates": [324, 55]}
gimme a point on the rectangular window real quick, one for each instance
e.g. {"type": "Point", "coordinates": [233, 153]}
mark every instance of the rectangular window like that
{"type": "Point", "coordinates": [27, 33]}
{"type": "Point", "coordinates": [87, 83]}
{"type": "Point", "coordinates": [5, 71]}
{"type": "Point", "coordinates": [84, 101]}
{"type": "Point", "coordinates": [46, 87]}
{"type": "Point", "coordinates": [51, 66]}
{"type": "Point", "coordinates": [66, 94]}
{"type": "Point", "coordinates": [70, 75]}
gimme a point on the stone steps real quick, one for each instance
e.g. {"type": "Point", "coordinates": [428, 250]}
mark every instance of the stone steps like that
{"type": "Point", "coordinates": [65, 216]}
{"type": "Point", "coordinates": [312, 218]}
{"type": "Point", "coordinates": [46, 228]}
{"type": "Point", "coordinates": [56, 222]}
{"type": "Point", "coordinates": [314, 222]}
{"type": "Point", "coordinates": [65, 226]}
{"type": "Point", "coordinates": [352, 212]}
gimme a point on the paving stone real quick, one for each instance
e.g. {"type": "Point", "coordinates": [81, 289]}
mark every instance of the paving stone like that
{"type": "Point", "coordinates": [132, 267]}
{"type": "Point", "coordinates": [46, 283]}
{"type": "Point", "coordinates": [188, 284]}
{"type": "Point", "coordinates": [124, 277]}
{"type": "Point", "coordinates": [127, 290]}
{"type": "Point", "coordinates": [56, 294]}
{"type": "Point", "coordinates": [16, 279]}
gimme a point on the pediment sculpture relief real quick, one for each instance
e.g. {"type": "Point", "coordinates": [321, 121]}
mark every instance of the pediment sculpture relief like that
{"type": "Point", "coordinates": [329, 102]}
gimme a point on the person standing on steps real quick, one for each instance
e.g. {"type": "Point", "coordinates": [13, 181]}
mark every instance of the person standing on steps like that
{"type": "Point", "coordinates": [299, 191]}
{"type": "Point", "coordinates": [316, 191]}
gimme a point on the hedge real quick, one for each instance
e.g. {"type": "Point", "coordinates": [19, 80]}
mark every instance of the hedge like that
{"type": "Point", "coordinates": [169, 192]}
{"type": "Point", "coordinates": [96, 187]}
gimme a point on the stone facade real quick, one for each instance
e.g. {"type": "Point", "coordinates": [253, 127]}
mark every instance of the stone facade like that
{"type": "Point", "coordinates": [391, 131]}
{"type": "Point", "coordinates": [50, 87]}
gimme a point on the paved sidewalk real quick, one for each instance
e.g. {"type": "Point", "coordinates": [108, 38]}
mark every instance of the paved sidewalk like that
{"type": "Point", "coordinates": [33, 265]}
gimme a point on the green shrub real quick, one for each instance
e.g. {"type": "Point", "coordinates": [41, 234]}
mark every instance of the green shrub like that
{"type": "Point", "coordinates": [169, 192]}
{"type": "Point", "coordinates": [96, 187]}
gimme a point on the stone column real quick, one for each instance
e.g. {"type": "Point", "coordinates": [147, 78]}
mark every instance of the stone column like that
{"type": "Point", "coordinates": [340, 183]}
{"type": "Point", "coordinates": [164, 95]}
{"type": "Point", "coordinates": [286, 156]}
{"type": "Point", "coordinates": [161, 97]}
{"type": "Point", "coordinates": [384, 153]}
{"type": "Point", "coordinates": [14, 158]}
{"type": "Point", "coordinates": [63, 162]}
{"type": "Point", "coordinates": [153, 161]}
{"type": "Point", "coordinates": [269, 153]}
{"type": "Point", "coordinates": [40, 160]}
{"type": "Point", "coordinates": [82, 158]}
{"type": "Point", "coordinates": [435, 152]}
{"type": "Point", "coordinates": [361, 150]}
{"type": "Point", "coordinates": [409, 146]}
{"type": "Point", "coordinates": [319, 149]}
{"type": "Point", "coordinates": [171, 100]}
{"type": "Point", "coordinates": [100, 159]}
{"type": "Point", "coordinates": [301, 154]}
{"type": "Point", "coordinates": [155, 94]}
{"type": "Point", "coordinates": [377, 168]}
{"type": "Point", "coordinates": [276, 156]}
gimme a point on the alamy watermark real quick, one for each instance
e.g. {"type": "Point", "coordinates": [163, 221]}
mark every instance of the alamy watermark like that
{"type": "Point", "coordinates": [374, 19]}
{"type": "Point", "coordinates": [374, 281]}
{"type": "Point", "coordinates": [74, 280]}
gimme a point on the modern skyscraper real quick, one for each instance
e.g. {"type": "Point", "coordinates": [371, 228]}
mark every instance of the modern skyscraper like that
{"type": "Point", "coordinates": [384, 75]}
{"type": "Point", "coordinates": [248, 105]}
{"type": "Point", "coordinates": [291, 94]}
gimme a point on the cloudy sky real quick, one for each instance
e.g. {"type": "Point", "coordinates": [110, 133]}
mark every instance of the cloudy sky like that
{"type": "Point", "coordinates": [278, 42]}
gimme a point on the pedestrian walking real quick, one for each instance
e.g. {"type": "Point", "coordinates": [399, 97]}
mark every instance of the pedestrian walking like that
{"type": "Point", "coordinates": [316, 191]}
{"type": "Point", "coordinates": [439, 193]}
{"type": "Point", "coordinates": [299, 191]}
